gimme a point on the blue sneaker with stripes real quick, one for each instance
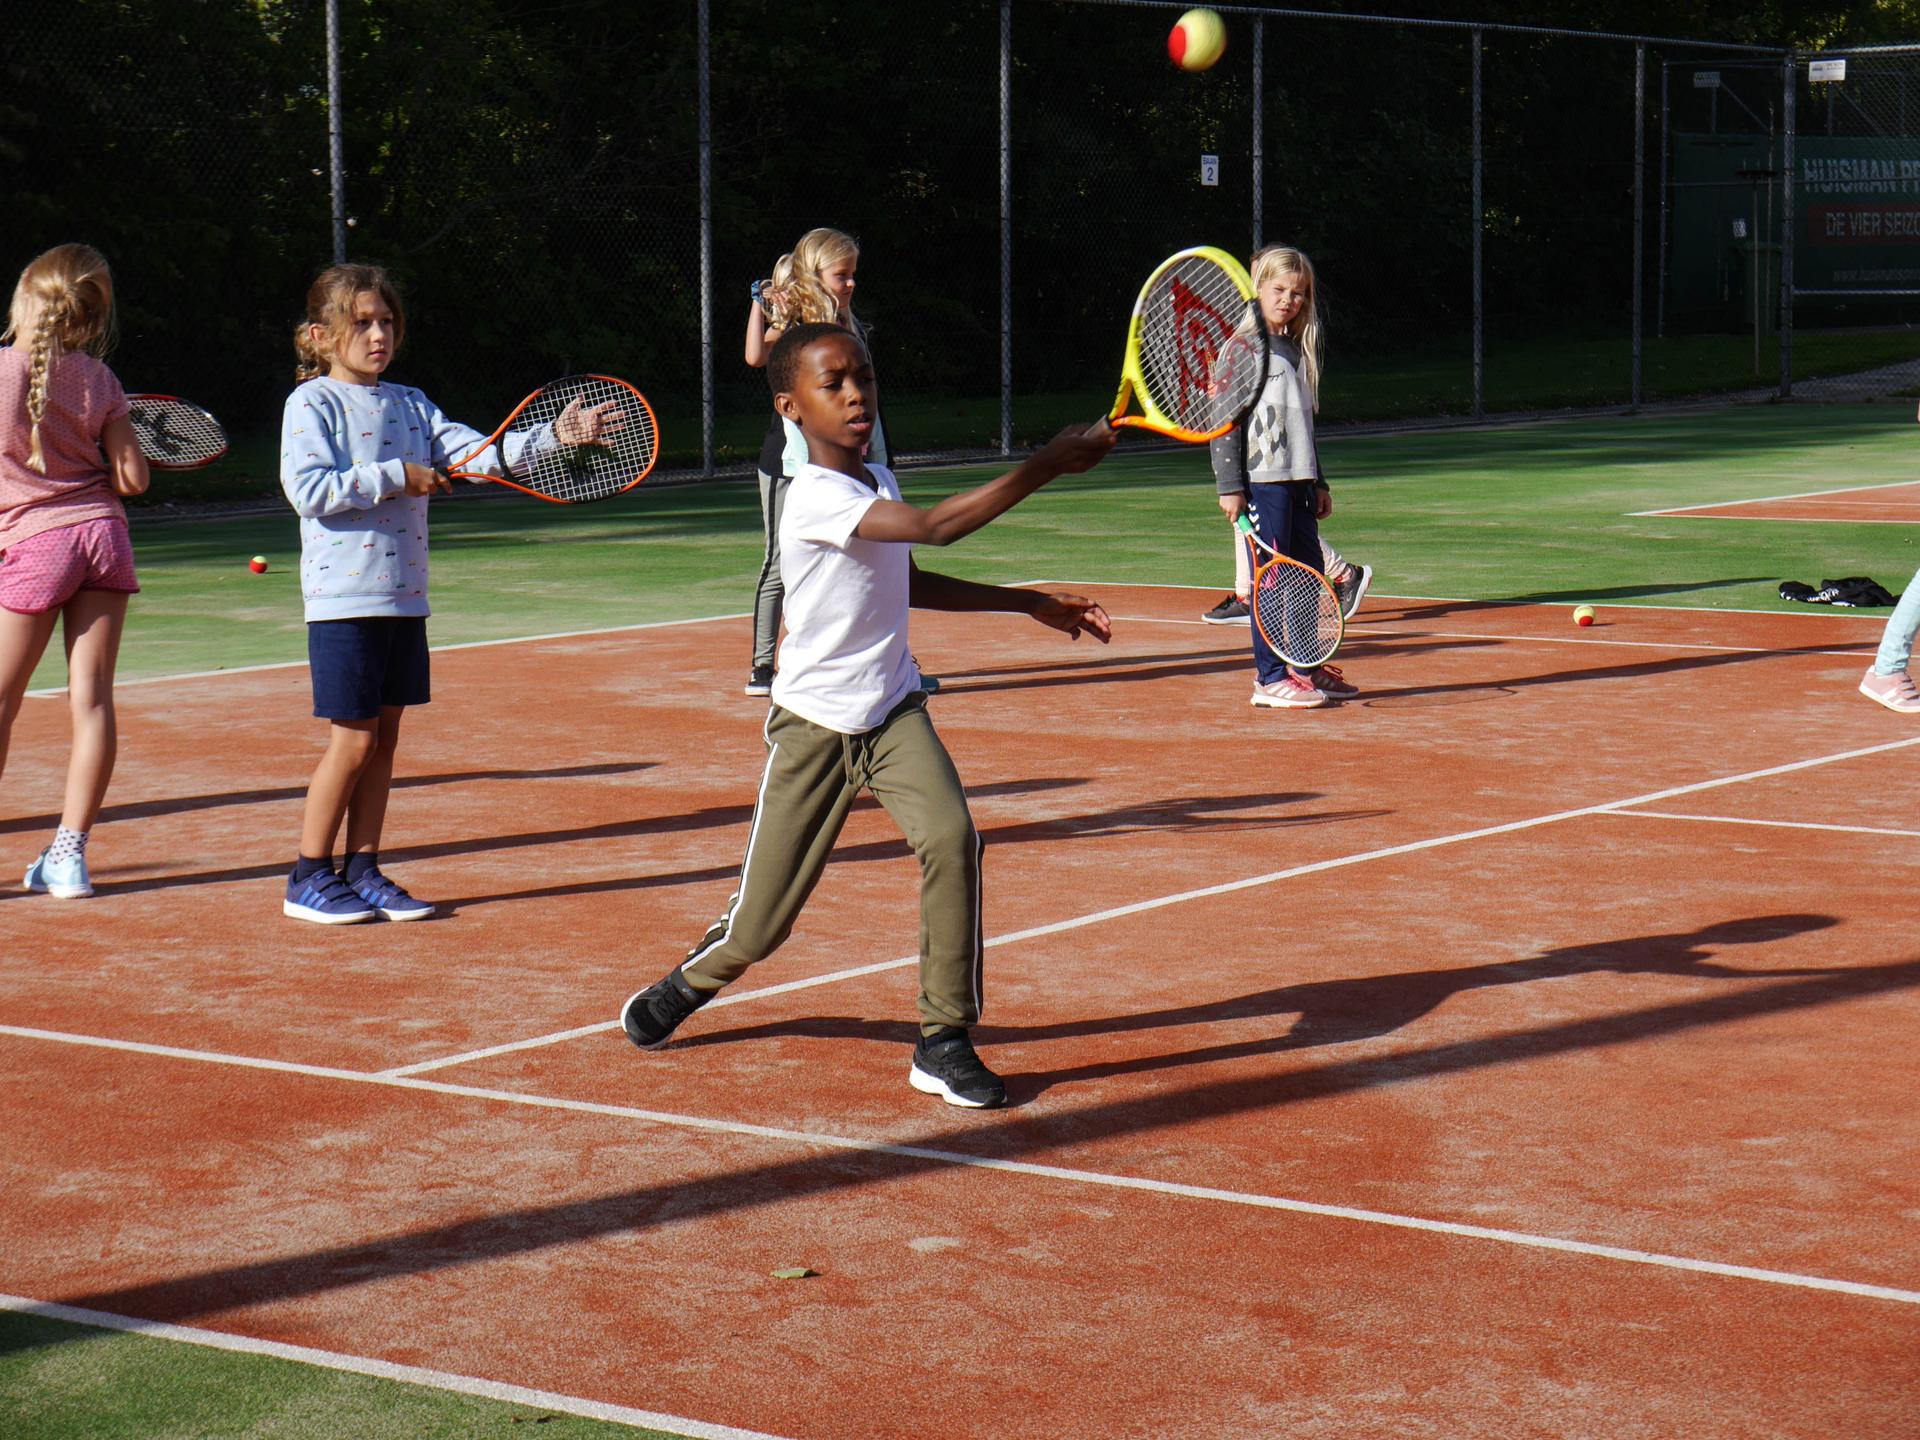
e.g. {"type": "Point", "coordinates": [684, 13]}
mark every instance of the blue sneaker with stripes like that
{"type": "Point", "coordinates": [323, 897]}
{"type": "Point", "coordinates": [389, 898]}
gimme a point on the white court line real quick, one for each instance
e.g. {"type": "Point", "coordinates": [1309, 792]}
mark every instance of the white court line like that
{"type": "Point", "coordinates": [1776, 824]}
{"type": "Point", "coordinates": [435, 649]}
{"type": "Point", "coordinates": [1769, 499]}
{"type": "Point", "coordinates": [1206, 892]}
{"type": "Point", "coordinates": [1106, 1179]}
{"type": "Point", "coordinates": [1866, 643]}
{"type": "Point", "coordinates": [382, 1369]}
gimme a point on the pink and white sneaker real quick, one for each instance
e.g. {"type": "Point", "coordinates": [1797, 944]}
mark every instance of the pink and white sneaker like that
{"type": "Point", "coordinates": [1896, 692]}
{"type": "Point", "coordinates": [1289, 692]}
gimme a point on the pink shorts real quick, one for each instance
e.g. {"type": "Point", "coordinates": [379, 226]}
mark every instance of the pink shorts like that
{"type": "Point", "coordinates": [45, 571]}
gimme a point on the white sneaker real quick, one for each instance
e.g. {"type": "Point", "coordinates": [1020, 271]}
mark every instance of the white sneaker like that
{"type": "Point", "coordinates": [63, 879]}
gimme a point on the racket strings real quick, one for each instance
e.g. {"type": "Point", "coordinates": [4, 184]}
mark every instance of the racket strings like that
{"type": "Point", "coordinates": [1297, 613]}
{"type": "Point", "coordinates": [1201, 352]}
{"type": "Point", "coordinates": [173, 434]}
{"type": "Point", "coordinates": [588, 437]}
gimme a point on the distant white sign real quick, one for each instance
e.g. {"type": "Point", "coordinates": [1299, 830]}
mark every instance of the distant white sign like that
{"type": "Point", "coordinates": [1827, 71]}
{"type": "Point", "coordinates": [1739, 229]}
{"type": "Point", "coordinates": [1706, 79]}
{"type": "Point", "coordinates": [1209, 169]}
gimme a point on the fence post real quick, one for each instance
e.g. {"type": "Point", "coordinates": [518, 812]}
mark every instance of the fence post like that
{"type": "Point", "coordinates": [1006, 227]}
{"type": "Point", "coordinates": [1791, 69]}
{"type": "Point", "coordinates": [335, 164]}
{"type": "Point", "coordinates": [703, 85]}
{"type": "Point", "coordinates": [1479, 229]}
{"type": "Point", "coordinates": [1259, 125]}
{"type": "Point", "coordinates": [1639, 204]}
{"type": "Point", "coordinates": [1660, 247]}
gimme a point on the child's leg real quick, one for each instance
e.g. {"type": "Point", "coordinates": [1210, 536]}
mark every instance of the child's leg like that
{"type": "Point", "coordinates": [912, 775]}
{"type": "Point", "coordinates": [1333, 564]}
{"type": "Point", "coordinates": [1242, 567]}
{"type": "Point", "coordinates": [1896, 643]}
{"type": "Point", "coordinates": [350, 745]}
{"type": "Point", "coordinates": [367, 801]}
{"type": "Point", "coordinates": [93, 621]}
{"type": "Point", "coordinates": [769, 593]}
{"type": "Point", "coordinates": [805, 795]}
{"type": "Point", "coordinates": [23, 639]}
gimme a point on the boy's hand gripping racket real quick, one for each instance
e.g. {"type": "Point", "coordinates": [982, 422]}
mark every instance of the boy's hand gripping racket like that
{"type": "Point", "coordinates": [1296, 610]}
{"type": "Point", "coordinates": [174, 435]}
{"type": "Point", "coordinates": [592, 436]}
{"type": "Point", "coordinates": [1196, 349]}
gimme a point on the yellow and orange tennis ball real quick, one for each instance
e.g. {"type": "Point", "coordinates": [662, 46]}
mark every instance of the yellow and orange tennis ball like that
{"type": "Point", "coordinates": [1583, 615]}
{"type": "Point", "coordinates": [1197, 40]}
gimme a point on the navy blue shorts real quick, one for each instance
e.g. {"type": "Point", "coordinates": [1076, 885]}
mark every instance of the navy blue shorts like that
{"type": "Point", "coordinates": [361, 665]}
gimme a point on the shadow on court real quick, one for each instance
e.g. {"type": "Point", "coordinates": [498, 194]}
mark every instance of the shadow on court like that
{"type": "Point", "coordinates": [534, 1228]}
{"type": "Point", "coordinates": [185, 804]}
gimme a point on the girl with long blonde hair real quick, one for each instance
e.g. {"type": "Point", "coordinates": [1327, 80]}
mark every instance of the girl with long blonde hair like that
{"type": "Point", "coordinates": [1269, 468]}
{"type": "Point", "coordinates": [68, 452]}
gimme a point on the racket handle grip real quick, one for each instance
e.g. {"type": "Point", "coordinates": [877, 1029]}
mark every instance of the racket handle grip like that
{"type": "Point", "coordinates": [1243, 523]}
{"type": "Point", "coordinates": [1102, 426]}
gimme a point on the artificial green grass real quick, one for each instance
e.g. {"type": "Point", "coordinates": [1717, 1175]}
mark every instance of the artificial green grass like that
{"type": "Point", "coordinates": [72, 1382]}
{"type": "Point", "coordinates": [1569, 369]}
{"type": "Point", "coordinates": [1534, 512]}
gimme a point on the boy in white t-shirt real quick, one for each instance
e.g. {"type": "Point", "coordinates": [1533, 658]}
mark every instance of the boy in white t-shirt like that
{"type": "Point", "coordinates": [848, 713]}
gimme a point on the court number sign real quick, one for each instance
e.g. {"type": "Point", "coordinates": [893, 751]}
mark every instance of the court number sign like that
{"type": "Point", "coordinates": [1209, 169]}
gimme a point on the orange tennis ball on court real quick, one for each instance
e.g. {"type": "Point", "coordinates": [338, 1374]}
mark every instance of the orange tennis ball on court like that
{"type": "Point", "coordinates": [1583, 615]}
{"type": "Point", "coordinates": [1197, 40]}
{"type": "Point", "coordinates": [258, 564]}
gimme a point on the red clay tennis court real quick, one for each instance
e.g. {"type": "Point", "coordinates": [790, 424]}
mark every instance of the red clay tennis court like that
{"type": "Point", "coordinates": [1479, 1059]}
{"type": "Point", "coordinates": [1866, 504]}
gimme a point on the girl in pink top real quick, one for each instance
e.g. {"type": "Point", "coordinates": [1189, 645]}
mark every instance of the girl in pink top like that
{"type": "Point", "coordinates": [67, 453]}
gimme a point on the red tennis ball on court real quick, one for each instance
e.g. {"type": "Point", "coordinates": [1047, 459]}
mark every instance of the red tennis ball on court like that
{"type": "Point", "coordinates": [1197, 40]}
{"type": "Point", "coordinates": [1583, 615]}
{"type": "Point", "coordinates": [258, 564]}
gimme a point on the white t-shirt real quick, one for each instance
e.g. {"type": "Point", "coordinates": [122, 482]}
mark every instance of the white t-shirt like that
{"type": "Point", "coordinates": [844, 662]}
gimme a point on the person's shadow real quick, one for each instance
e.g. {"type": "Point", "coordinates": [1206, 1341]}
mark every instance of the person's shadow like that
{"type": "Point", "coordinates": [1338, 1012]}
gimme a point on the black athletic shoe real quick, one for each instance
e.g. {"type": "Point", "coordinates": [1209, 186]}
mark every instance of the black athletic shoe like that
{"type": "Point", "coordinates": [651, 1017]}
{"type": "Point", "coordinates": [760, 682]}
{"type": "Point", "coordinates": [1230, 611]}
{"type": "Point", "coordinates": [944, 1064]}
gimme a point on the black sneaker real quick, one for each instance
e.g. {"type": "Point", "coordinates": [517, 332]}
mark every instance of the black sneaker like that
{"type": "Point", "coordinates": [651, 1017]}
{"type": "Point", "coordinates": [760, 682]}
{"type": "Point", "coordinates": [944, 1064]}
{"type": "Point", "coordinates": [1230, 611]}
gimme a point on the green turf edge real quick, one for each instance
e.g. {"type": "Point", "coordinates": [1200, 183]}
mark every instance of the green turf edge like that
{"type": "Point", "coordinates": [66, 1381]}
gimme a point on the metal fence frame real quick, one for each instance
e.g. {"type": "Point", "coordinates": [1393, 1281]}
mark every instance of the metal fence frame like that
{"type": "Point", "coordinates": [1474, 31]}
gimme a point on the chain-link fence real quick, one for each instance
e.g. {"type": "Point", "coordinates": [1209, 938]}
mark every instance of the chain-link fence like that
{"type": "Point", "coordinates": [1503, 219]}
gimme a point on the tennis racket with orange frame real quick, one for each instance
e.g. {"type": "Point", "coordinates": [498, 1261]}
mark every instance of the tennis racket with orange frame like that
{"type": "Point", "coordinates": [175, 434]}
{"type": "Point", "coordinates": [1196, 355]}
{"type": "Point", "coordinates": [1294, 607]}
{"type": "Point", "coordinates": [588, 437]}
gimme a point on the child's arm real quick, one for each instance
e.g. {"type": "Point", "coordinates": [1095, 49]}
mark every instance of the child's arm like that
{"type": "Point", "coordinates": [1073, 450]}
{"type": "Point", "coordinates": [760, 335]}
{"type": "Point", "coordinates": [1228, 453]}
{"type": "Point", "coordinates": [128, 467]}
{"type": "Point", "coordinates": [1069, 614]}
{"type": "Point", "coordinates": [320, 480]}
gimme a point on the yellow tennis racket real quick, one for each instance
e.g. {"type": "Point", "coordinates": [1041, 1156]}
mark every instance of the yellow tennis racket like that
{"type": "Point", "coordinates": [1196, 349]}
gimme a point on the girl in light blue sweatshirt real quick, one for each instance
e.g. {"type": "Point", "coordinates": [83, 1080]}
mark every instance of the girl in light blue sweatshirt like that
{"type": "Point", "coordinates": [358, 458]}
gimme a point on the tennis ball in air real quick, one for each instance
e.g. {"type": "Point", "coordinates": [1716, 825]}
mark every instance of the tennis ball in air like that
{"type": "Point", "coordinates": [1197, 40]}
{"type": "Point", "coordinates": [1583, 615]}
{"type": "Point", "coordinates": [258, 564]}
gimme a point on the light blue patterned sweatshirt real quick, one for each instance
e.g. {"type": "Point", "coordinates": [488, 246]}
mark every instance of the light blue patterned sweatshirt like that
{"type": "Point", "coordinates": [343, 456]}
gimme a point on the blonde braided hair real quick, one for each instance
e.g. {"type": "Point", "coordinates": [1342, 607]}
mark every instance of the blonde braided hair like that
{"type": "Point", "coordinates": [798, 276]}
{"type": "Point", "coordinates": [64, 299]}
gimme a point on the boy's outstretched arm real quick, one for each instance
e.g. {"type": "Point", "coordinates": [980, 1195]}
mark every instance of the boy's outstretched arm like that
{"type": "Point", "coordinates": [1073, 450]}
{"type": "Point", "coordinates": [1069, 614]}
